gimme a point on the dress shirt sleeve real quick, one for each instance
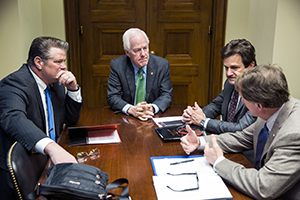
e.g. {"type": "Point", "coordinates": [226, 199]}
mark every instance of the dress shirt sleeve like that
{"type": "Point", "coordinates": [156, 108]}
{"type": "Point", "coordinates": [125, 108]}
{"type": "Point", "coordinates": [75, 95]}
{"type": "Point", "coordinates": [41, 144]}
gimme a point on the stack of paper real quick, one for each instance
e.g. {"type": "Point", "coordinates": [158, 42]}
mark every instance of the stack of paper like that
{"type": "Point", "coordinates": [190, 178]}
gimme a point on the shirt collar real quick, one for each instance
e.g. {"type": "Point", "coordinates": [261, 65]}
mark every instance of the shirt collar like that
{"type": "Point", "coordinates": [42, 86]}
{"type": "Point", "coordinates": [136, 69]}
{"type": "Point", "coordinates": [270, 122]}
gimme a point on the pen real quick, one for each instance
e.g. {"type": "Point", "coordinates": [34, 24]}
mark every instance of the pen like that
{"type": "Point", "coordinates": [185, 161]}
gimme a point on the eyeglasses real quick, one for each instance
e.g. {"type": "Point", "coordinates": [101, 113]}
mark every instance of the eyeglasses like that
{"type": "Point", "coordinates": [93, 154]}
{"type": "Point", "coordinates": [181, 130]}
{"type": "Point", "coordinates": [189, 182]}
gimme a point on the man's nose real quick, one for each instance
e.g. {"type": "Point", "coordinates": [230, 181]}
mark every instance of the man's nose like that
{"type": "Point", "coordinates": [63, 66]}
{"type": "Point", "coordinates": [229, 72]}
{"type": "Point", "coordinates": [143, 52]}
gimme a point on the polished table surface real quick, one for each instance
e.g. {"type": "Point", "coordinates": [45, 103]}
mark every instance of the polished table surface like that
{"type": "Point", "coordinates": [131, 158]}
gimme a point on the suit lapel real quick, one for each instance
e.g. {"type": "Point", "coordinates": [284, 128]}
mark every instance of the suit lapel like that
{"type": "Point", "coordinates": [36, 93]}
{"type": "Point", "coordinates": [283, 115]}
{"type": "Point", "coordinates": [151, 70]}
{"type": "Point", "coordinates": [130, 77]}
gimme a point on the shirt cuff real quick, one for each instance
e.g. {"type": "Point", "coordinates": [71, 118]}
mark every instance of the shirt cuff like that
{"type": "Point", "coordinates": [206, 121]}
{"type": "Point", "coordinates": [221, 158]}
{"type": "Point", "coordinates": [41, 144]}
{"type": "Point", "coordinates": [125, 108]}
{"type": "Point", "coordinates": [75, 95]}
{"type": "Point", "coordinates": [156, 108]}
{"type": "Point", "coordinates": [202, 143]}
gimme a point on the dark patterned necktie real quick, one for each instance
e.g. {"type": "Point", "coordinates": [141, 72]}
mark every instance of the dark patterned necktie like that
{"type": "Point", "coordinates": [262, 139]}
{"type": "Point", "coordinates": [50, 115]}
{"type": "Point", "coordinates": [140, 87]}
{"type": "Point", "coordinates": [232, 106]}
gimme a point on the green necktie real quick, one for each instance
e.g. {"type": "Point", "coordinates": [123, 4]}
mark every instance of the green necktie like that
{"type": "Point", "coordinates": [140, 88]}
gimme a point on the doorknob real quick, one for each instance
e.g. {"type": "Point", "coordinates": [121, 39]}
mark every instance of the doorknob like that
{"type": "Point", "coordinates": [152, 52]}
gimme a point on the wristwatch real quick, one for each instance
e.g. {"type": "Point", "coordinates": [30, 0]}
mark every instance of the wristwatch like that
{"type": "Point", "coordinates": [202, 122]}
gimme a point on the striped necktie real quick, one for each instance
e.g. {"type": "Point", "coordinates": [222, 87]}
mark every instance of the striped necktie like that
{"type": "Point", "coordinates": [50, 114]}
{"type": "Point", "coordinates": [232, 106]}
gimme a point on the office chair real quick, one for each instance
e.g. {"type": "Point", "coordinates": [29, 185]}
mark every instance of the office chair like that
{"type": "Point", "coordinates": [25, 170]}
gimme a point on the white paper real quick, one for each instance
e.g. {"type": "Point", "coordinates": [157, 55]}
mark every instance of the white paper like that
{"type": "Point", "coordinates": [157, 120]}
{"type": "Point", "coordinates": [105, 139]}
{"type": "Point", "coordinates": [211, 186]}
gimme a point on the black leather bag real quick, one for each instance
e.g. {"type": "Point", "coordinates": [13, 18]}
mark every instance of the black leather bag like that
{"type": "Point", "coordinates": [79, 182]}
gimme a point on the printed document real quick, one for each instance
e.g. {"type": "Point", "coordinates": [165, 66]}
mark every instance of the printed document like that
{"type": "Point", "coordinates": [189, 177]}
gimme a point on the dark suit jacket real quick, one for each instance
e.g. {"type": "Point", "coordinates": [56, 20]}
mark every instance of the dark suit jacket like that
{"type": "Point", "coordinates": [219, 106]}
{"type": "Point", "coordinates": [280, 172]}
{"type": "Point", "coordinates": [22, 115]}
{"type": "Point", "coordinates": [121, 83]}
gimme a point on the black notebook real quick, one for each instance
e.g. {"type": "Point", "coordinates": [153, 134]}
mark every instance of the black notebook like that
{"type": "Point", "coordinates": [175, 132]}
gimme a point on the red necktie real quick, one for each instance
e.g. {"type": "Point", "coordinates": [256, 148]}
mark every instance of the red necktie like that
{"type": "Point", "coordinates": [232, 106]}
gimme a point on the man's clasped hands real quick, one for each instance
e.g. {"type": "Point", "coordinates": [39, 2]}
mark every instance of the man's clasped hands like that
{"type": "Point", "coordinates": [142, 111]}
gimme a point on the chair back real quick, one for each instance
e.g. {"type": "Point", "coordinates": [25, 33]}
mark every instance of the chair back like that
{"type": "Point", "coordinates": [25, 170]}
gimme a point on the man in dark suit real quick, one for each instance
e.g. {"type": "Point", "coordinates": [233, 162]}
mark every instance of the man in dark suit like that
{"type": "Point", "coordinates": [275, 138]}
{"type": "Point", "coordinates": [122, 88]}
{"type": "Point", "coordinates": [23, 107]}
{"type": "Point", "coordinates": [238, 56]}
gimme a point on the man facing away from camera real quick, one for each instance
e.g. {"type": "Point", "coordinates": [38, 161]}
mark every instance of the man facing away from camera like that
{"type": "Point", "coordinates": [275, 138]}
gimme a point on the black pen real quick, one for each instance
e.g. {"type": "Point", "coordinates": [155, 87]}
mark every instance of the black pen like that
{"type": "Point", "coordinates": [184, 161]}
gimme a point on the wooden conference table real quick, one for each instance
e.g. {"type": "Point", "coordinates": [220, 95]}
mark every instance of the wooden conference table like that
{"type": "Point", "coordinates": [131, 158]}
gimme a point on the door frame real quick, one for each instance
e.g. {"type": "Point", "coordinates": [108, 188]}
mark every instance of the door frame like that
{"type": "Point", "coordinates": [218, 38]}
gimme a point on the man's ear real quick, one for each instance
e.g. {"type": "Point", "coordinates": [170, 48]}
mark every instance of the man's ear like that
{"type": "Point", "coordinates": [251, 65]}
{"type": "Point", "coordinates": [259, 106]}
{"type": "Point", "coordinates": [127, 53]}
{"type": "Point", "coordinates": [38, 62]}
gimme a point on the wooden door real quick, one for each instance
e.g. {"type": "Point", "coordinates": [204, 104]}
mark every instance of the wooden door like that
{"type": "Point", "coordinates": [179, 30]}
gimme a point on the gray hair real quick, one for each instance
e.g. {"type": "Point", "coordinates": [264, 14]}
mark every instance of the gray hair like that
{"type": "Point", "coordinates": [129, 34]}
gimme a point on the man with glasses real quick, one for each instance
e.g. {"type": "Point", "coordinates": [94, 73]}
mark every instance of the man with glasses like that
{"type": "Point", "coordinates": [139, 83]}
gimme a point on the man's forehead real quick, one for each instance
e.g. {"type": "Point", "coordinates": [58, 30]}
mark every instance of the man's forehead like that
{"type": "Point", "coordinates": [233, 61]}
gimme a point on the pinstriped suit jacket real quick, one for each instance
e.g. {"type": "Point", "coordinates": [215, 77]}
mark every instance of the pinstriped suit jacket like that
{"type": "Point", "coordinates": [22, 116]}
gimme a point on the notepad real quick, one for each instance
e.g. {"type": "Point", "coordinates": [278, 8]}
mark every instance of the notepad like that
{"type": "Point", "coordinates": [211, 185]}
{"type": "Point", "coordinates": [102, 134]}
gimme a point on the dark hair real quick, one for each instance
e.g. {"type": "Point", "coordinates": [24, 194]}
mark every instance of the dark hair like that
{"type": "Point", "coordinates": [264, 84]}
{"type": "Point", "coordinates": [242, 47]}
{"type": "Point", "coordinates": [41, 46]}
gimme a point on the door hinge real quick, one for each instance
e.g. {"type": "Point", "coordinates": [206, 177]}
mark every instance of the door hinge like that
{"type": "Point", "coordinates": [209, 30]}
{"type": "Point", "coordinates": [81, 30]}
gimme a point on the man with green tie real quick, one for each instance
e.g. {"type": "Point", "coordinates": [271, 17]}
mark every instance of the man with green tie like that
{"type": "Point", "coordinates": [139, 83]}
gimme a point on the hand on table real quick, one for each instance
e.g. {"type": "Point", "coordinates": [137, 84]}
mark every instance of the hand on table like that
{"type": "Point", "coordinates": [142, 111]}
{"type": "Point", "coordinates": [193, 115]}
